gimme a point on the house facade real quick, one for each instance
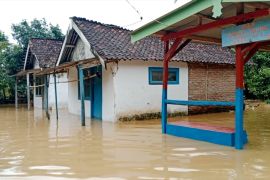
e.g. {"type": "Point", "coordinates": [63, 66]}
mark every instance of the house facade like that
{"type": "Point", "coordinates": [43, 54]}
{"type": "Point", "coordinates": [124, 81]}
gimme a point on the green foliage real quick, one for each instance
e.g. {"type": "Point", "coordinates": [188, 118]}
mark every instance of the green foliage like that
{"type": "Point", "coordinates": [267, 101]}
{"type": "Point", "coordinates": [3, 41]}
{"type": "Point", "coordinates": [257, 76]}
{"type": "Point", "coordinates": [4, 78]}
{"type": "Point", "coordinates": [24, 30]}
{"type": "Point", "coordinates": [12, 55]}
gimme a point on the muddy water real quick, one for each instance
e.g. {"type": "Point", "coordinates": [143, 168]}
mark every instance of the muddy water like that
{"type": "Point", "coordinates": [32, 147]}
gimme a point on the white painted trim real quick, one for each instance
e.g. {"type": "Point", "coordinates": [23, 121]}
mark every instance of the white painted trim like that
{"type": "Point", "coordinates": [25, 59]}
{"type": "Point", "coordinates": [85, 41]}
{"type": "Point", "coordinates": [35, 62]}
{"type": "Point", "coordinates": [63, 45]}
{"type": "Point", "coordinates": [83, 38]}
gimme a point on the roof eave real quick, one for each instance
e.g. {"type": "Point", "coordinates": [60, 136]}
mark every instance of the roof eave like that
{"type": "Point", "coordinates": [179, 14]}
{"type": "Point", "coordinates": [170, 18]}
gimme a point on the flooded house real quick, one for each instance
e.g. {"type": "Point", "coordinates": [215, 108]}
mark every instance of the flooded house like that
{"type": "Point", "coordinates": [125, 79]}
{"type": "Point", "coordinates": [42, 54]}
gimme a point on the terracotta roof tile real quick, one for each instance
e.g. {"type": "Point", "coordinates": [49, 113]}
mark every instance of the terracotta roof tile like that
{"type": "Point", "coordinates": [113, 43]}
{"type": "Point", "coordinates": [46, 51]}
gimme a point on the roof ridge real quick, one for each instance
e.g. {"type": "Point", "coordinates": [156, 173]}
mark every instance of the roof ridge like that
{"type": "Point", "coordinates": [99, 23]}
{"type": "Point", "coordinates": [50, 39]}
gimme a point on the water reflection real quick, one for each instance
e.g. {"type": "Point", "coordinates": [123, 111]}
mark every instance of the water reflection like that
{"type": "Point", "coordinates": [34, 148]}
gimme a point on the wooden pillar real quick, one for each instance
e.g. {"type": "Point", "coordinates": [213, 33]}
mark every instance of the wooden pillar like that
{"type": "Point", "coordinates": [81, 79]}
{"type": "Point", "coordinates": [239, 99]}
{"type": "Point", "coordinates": [46, 93]}
{"type": "Point", "coordinates": [16, 92]}
{"type": "Point", "coordinates": [28, 91]}
{"type": "Point", "coordinates": [55, 92]}
{"type": "Point", "coordinates": [164, 89]}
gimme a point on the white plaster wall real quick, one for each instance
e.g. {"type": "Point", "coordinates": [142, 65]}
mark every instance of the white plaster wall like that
{"type": "Point", "coordinates": [108, 94]}
{"type": "Point", "coordinates": [36, 64]}
{"type": "Point", "coordinates": [134, 95]}
{"type": "Point", "coordinates": [38, 102]}
{"type": "Point", "coordinates": [74, 104]}
{"type": "Point", "coordinates": [62, 91]}
{"type": "Point", "coordinates": [81, 51]}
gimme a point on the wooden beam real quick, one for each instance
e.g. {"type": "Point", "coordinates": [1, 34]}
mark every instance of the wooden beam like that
{"type": "Point", "coordinates": [28, 90]}
{"type": "Point", "coordinates": [70, 46]}
{"type": "Point", "coordinates": [55, 92]}
{"type": "Point", "coordinates": [81, 79]}
{"type": "Point", "coordinates": [46, 89]}
{"type": "Point", "coordinates": [257, 5]}
{"type": "Point", "coordinates": [239, 99]}
{"type": "Point", "coordinates": [164, 106]}
{"type": "Point", "coordinates": [217, 24]}
{"type": "Point", "coordinates": [205, 39]}
{"type": "Point", "coordinates": [181, 47]}
{"type": "Point", "coordinates": [264, 48]}
{"type": "Point", "coordinates": [250, 47]}
{"type": "Point", "coordinates": [172, 50]}
{"type": "Point", "coordinates": [250, 54]}
{"type": "Point", "coordinates": [200, 103]}
{"type": "Point", "coordinates": [240, 9]}
{"type": "Point", "coordinates": [210, 18]}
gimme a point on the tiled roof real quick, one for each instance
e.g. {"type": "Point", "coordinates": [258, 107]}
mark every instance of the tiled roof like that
{"type": "Point", "coordinates": [113, 43]}
{"type": "Point", "coordinates": [46, 51]}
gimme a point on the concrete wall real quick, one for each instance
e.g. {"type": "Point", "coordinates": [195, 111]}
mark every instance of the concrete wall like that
{"type": "Point", "coordinates": [38, 101]}
{"type": "Point", "coordinates": [134, 95]}
{"type": "Point", "coordinates": [74, 104]}
{"type": "Point", "coordinates": [81, 52]}
{"type": "Point", "coordinates": [126, 90]}
{"type": "Point", "coordinates": [62, 93]}
{"type": "Point", "coordinates": [211, 82]}
{"type": "Point", "coordinates": [108, 93]}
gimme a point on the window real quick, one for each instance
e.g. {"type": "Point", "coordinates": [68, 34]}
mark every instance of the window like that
{"type": "Point", "coordinates": [87, 84]}
{"type": "Point", "coordinates": [156, 75]}
{"type": "Point", "coordinates": [40, 88]}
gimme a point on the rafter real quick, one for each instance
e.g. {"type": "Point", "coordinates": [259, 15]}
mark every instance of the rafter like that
{"type": "Point", "coordinates": [217, 23]}
{"type": "Point", "coordinates": [257, 5]}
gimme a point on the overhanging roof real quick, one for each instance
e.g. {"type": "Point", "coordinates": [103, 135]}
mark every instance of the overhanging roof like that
{"type": "Point", "coordinates": [198, 12]}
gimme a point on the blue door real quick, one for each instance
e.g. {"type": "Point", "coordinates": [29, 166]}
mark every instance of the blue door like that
{"type": "Point", "coordinates": [96, 96]}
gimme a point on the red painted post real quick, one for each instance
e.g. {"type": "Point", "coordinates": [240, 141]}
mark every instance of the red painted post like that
{"type": "Point", "coordinates": [239, 68]}
{"type": "Point", "coordinates": [239, 99]}
{"type": "Point", "coordinates": [165, 66]}
{"type": "Point", "coordinates": [164, 89]}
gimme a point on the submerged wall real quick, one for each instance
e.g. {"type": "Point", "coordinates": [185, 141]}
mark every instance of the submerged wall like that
{"type": "Point", "coordinates": [211, 82]}
{"type": "Point", "coordinates": [62, 93]}
{"type": "Point", "coordinates": [74, 103]}
{"type": "Point", "coordinates": [134, 95]}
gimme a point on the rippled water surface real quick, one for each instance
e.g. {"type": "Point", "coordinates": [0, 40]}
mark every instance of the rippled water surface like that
{"type": "Point", "coordinates": [31, 147]}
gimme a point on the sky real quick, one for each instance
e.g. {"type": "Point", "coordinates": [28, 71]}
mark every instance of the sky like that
{"type": "Point", "coordinates": [117, 12]}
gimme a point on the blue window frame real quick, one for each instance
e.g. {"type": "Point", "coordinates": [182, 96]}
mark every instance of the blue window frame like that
{"type": "Point", "coordinates": [156, 75]}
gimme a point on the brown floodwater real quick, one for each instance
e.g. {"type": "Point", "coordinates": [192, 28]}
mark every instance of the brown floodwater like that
{"type": "Point", "coordinates": [34, 148]}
